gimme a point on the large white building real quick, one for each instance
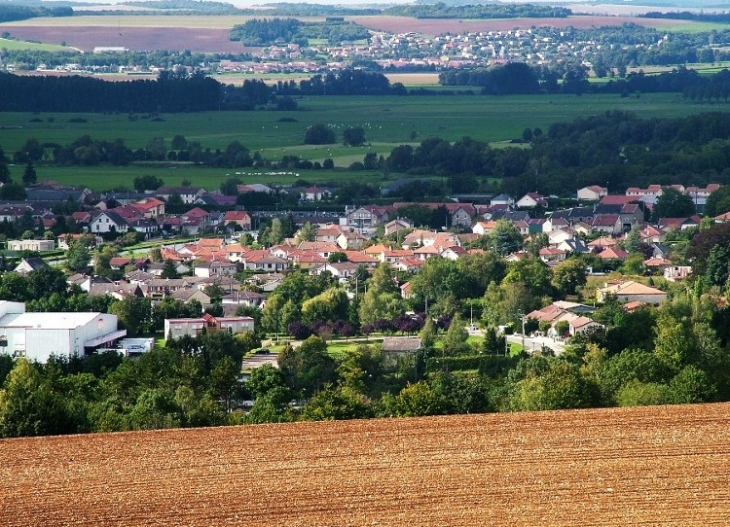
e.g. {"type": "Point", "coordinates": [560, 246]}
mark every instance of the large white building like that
{"type": "Point", "coordinates": [37, 336]}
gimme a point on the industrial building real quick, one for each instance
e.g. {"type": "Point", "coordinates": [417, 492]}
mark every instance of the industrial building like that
{"type": "Point", "coordinates": [37, 336]}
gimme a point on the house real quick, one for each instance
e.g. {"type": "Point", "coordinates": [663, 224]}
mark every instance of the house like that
{"type": "Point", "coordinates": [176, 328]}
{"type": "Point", "coordinates": [582, 325]}
{"type": "Point", "coordinates": [31, 245]}
{"type": "Point", "coordinates": [215, 199]}
{"type": "Point", "coordinates": [343, 271]}
{"type": "Point", "coordinates": [152, 207]}
{"type": "Point", "coordinates": [559, 236]}
{"type": "Point", "coordinates": [161, 287]}
{"type": "Point", "coordinates": [573, 245]}
{"type": "Point", "coordinates": [607, 224]}
{"type": "Point", "coordinates": [117, 290]}
{"type": "Point", "coordinates": [188, 195]}
{"type": "Point", "coordinates": [108, 221]}
{"type": "Point", "coordinates": [482, 228]}
{"type": "Point", "coordinates": [502, 199]}
{"type": "Point", "coordinates": [366, 219]}
{"type": "Point", "coordinates": [397, 225]}
{"type": "Point", "coordinates": [263, 261]}
{"type": "Point", "coordinates": [37, 336]}
{"type": "Point", "coordinates": [147, 227]}
{"type": "Point", "coordinates": [722, 218]}
{"type": "Point", "coordinates": [243, 298]}
{"type": "Point", "coordinates": [531, 200]}
{"type": "Point", "coordinates": [192, 293]}
{"type": "Point", "coordinates": [674, 273]}
{"type": "Point", "coordinates": [239, 218]}
{"type": "Point", "coordinates": [395, 349]}
{"type": "Point", "coordinates": [592, 193]}
{"type": "Point", "coordinates": [315, 194]}
{"type": "Point", "coordinates": [601, 243]}
{"type": "Point", "coordinates": [28, 265]}
{"type": "Point", "coordinates": [631, 292]}
{"type": "Point", "coordinates": [679, 224]}
{"type": "Point", "coordinates": [613, 253]}
{"type": "Point", "coordinates": [255, 187]}
{"type": "Point", "coordinates": [552, 255]}
{"type": "Point", "coordinates": [216, 268]}
{"type": "Point", "coordinates": [453, 253]}
{"type": "Point", "coordinates": [351, 240]}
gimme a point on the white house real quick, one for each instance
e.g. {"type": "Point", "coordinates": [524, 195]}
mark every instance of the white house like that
{"type": "Point", "coordinates": [531, 200]}
{"type": "Point", "coordinates": [592, 193]}
{"type": "Point", "coordinates": [37, 336]}
{"type": "Point", "coordinates": [108, 221]}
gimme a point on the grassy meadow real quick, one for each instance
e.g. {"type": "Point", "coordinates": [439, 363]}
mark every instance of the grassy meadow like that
{"type": "Point", "coordinates": [14, 45]}
{"type": "Point", "coordinates": [388, 122]}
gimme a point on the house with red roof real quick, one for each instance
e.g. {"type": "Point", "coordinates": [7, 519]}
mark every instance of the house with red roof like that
{"type": "Point", "coordinates": [679, 224]}
{"type": "Point", "coordinates": [240, 218]}
{"type": "Point", "coordinates": [152, 207]}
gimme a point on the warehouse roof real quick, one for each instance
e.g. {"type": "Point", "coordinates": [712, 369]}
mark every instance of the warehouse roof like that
{"type": "Point", "coordinates": [47, 320]}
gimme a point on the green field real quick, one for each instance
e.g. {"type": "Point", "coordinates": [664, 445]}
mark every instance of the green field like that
{"type": "Point", "coordinates": [15, 45]}
{"type": "Point", "coordinates": [388, 122]}
{"type": "Point", "coordinates": [688, 26]}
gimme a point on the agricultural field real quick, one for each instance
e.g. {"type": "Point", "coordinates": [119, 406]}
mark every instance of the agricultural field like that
{"type": "Point", "coordinates": [387, 121]}
{"type": "Point", "coordinates": [639, 466]}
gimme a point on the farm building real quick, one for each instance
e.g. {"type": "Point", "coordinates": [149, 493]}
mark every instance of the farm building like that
{"type": "Point", "coordinates": [37, 336]}
{"type": "Point", "coordinates": [192, 327]}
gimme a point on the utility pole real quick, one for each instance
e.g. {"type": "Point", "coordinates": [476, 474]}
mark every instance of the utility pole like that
{"type": "Point", "coordinates": [522, 317]}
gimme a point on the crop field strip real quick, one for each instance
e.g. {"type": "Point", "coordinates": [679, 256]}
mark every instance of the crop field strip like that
{"type": "Point", "coordinates": [640, 466]}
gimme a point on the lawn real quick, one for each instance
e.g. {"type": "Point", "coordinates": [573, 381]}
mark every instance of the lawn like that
{"type": "Point", "coordinates": [387, 121]}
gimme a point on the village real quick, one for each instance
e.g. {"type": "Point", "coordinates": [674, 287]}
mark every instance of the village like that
{"type": "Point", "coordinates": [223, 259]}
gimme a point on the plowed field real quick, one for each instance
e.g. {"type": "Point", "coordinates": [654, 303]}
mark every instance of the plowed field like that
{"type": "Point", "coordinates": [645, 466]}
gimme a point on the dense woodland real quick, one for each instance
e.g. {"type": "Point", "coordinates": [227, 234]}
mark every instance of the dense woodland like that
{"type": "Point", "coordinates": [268, 31]}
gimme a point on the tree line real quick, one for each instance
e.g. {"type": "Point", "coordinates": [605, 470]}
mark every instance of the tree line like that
{"type": "Point", "coordinates": [170, 92]}
{"type": "Point", "coordinates": [520, 78]}
{"type": "Point", "coordinates": [478, 11]}
{"type": "Point", "coordinates": [11, 12]}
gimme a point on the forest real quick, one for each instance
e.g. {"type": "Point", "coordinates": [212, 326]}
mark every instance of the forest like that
{"type": "Point", "coordinates": [170, 92]}
{"type": "Point", "coordinates": [268, 31]}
